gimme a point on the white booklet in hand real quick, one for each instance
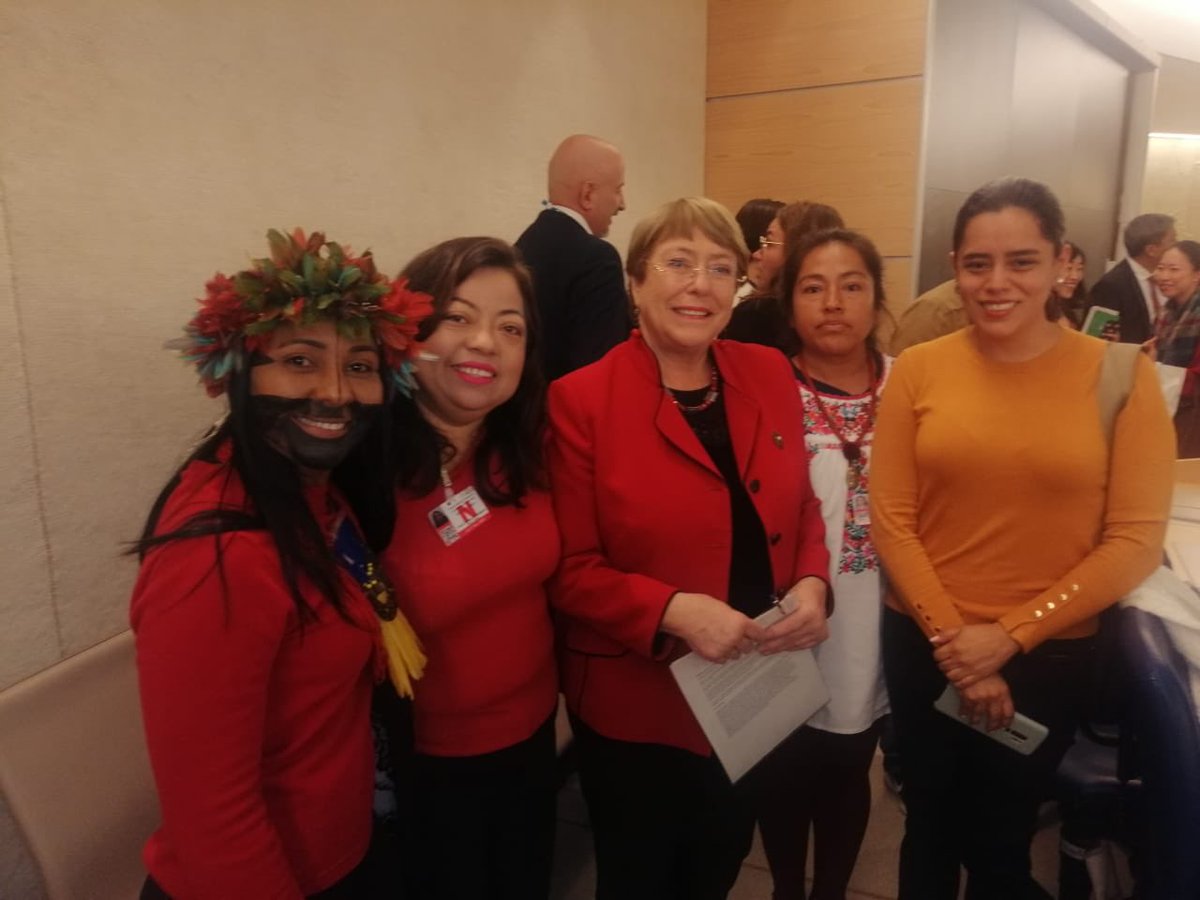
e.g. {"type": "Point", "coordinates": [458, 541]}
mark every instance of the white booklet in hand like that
{"type": "Point", "coordinates": [747, 706]}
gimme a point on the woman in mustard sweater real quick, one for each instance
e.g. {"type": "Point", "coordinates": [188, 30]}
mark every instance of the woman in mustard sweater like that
{"type": "Point", "coordinates": [1006, 522]}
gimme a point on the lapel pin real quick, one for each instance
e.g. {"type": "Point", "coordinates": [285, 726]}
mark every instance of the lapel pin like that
{"type": "Point", "coordinates": [778, 439]}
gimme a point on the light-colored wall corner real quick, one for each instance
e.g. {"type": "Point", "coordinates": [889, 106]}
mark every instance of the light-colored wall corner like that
{"type": "Point", "coordinates": [141, 152]}
{"type": "Point", "coordinates": [1177, 100]}
{"type": "Point", "coordinates": [821, 101]}
{"type": "Point", "coordinates": [1172, 183]}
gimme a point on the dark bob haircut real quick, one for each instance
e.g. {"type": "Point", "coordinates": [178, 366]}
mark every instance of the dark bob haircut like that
{"type": "Point", "coordinates": [509, 459]}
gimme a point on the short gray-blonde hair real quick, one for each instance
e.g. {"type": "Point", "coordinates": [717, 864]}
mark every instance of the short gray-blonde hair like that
{"type": "Point", "coordinates": [681, 219]}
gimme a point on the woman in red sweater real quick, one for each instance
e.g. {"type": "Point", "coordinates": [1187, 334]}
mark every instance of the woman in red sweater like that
{"type": "Point", "coordinates": [480, 542]}
{"type": "Point", "coordinates": [257, 645]}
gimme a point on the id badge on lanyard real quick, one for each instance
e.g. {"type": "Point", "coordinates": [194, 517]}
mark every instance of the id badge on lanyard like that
{"type": "Point", "coordinates": [461, 513]}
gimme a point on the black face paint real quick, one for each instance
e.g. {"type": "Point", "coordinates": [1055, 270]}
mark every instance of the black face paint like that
{"type": "Point", "coordinates": [275, 418]}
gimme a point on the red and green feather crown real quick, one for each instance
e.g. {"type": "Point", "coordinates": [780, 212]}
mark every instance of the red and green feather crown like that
{"type": "Point", "coordinates": [306, 280]}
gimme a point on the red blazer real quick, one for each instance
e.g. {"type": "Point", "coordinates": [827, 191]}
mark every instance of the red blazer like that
{"type": "Point", "coordinates": [644, 513]}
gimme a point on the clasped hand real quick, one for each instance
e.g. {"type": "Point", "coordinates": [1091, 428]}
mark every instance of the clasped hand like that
{"type": "Point", "coordinates": [969, 654]}
{"type": "Point", "coordinates": [718, 632]}
{"type": "Point", "coordinates": [806, 625]}
{"type": "Point", "coordinates": [988, 701]}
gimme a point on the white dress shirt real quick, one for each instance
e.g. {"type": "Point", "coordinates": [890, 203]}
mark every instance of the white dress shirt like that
{"type": "Point", "coordinates": [566, 211]}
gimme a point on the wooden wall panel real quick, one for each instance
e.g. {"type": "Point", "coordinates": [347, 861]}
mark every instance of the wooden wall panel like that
{"type": "Point", "coordinates": [897, 281]}
{"type": "Point", "coordinates": [854, 147]}
{"type": "Point", "coordinates": [769, 45]}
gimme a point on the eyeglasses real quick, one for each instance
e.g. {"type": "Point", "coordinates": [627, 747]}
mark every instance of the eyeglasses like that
{"type": "Point", "coordinates": [681, 271]}
{"type": "Point", "coordinates": [763, 243]}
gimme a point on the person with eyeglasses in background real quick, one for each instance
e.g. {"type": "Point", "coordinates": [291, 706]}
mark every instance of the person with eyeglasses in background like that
{"type": "Point", "coordinates": [680, 482]}
{"type": "Point", "coordinates": [762, 318]}
{"type": "Point", "coordinates": [754, 218]}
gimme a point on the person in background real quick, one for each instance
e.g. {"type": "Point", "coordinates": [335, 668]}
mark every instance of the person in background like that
{"type": "Point", "coordinates": [754, 218]}
{"type": "Point", "coordinates": [1007, 520]}
{"type": "Point", "coordinates": [1128, 287]}
{"type": "Point", "coordinates": [1070, 288]}
{"type": "Point", "coordinates": [681, 487]}
{"type": "Point", "coordinates": [817, 779]}
{"type": "Point", "coordinates": [480, 542]}
{"type": "Point", "coordinates": [762, 318]}
{"type": "Point", "coordinates": [1177, 343]}
{"type": "Point", "coordinates": [257, 640]}
{"type": "Point", "coordinates": [577, 277]}
{"type": "Point", "coordinates": [936, 312]}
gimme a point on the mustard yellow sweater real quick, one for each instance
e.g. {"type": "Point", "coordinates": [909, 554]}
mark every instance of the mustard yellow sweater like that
{"type": "Point", "coordinates": [992, 494]}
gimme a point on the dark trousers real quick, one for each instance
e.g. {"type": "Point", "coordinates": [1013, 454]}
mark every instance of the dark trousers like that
{"type": "Point", "coordinates": [357, 885]}
{"type": "Point", "coordinates": [971, 800]}
{"type": "Point", "coordinates": [819, 780]}
{"type": "Point", "coordinates": [667, 824]}
{"type": "Point", "coordinates": [480, 827]}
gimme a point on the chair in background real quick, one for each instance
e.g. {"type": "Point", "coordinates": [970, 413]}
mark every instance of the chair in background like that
{"type": "Point", "coordinates": [75, 774]}
{"type": "Point", "coordinates": [1142, 788]}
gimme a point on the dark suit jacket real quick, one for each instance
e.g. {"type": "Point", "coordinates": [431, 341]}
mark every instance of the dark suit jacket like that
{"type": "Point", "coordinates": [1119, 290]}
{"type": "Point", "coordinates": [645, 513]}
{"type": "Point", "coordinates": [580, 292]}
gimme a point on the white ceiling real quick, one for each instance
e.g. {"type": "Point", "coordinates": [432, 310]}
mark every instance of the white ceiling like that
{"type": "Point", "coordinates": [1167, 26]}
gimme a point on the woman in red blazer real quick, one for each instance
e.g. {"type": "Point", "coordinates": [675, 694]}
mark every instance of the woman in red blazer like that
{"type": "Point", "coordinates": [681, 489]}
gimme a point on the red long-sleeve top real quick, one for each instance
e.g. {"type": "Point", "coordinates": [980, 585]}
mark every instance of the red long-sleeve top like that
{"type": "Point", "coordinates": [258, 728]}
{"type": "Point", "coordinates": [481, 611]}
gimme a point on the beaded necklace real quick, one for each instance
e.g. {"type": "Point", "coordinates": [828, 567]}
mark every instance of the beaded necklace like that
{"type": "Point", "coordinates": [850, 445]}
{"type": "Point", "coordinates": [714, 391]}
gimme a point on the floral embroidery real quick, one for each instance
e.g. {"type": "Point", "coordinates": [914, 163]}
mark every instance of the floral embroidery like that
{"type": "Point", "coordinates": [857, 550]}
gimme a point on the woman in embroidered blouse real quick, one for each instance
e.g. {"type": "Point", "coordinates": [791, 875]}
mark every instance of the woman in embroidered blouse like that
{"type": "Point", "coordinates": [1177, 335]}
{"type": "Point", "coordinates": [1007, 520]}
{"type": "Point", "coordinates": [818, 778]}
{"type": "Point", "coordinates": [682, 495]}
{"type": "Point", "coordinates": [479, 791]}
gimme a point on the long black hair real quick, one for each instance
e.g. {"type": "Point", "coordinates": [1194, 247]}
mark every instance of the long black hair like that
{"type": "Point", "coordinates": [512, 433]}
{"type": "Point", "coordinates": [275, 500]}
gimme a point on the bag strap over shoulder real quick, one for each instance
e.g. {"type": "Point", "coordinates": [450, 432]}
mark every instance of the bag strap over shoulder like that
{"type": "Point", "coordinates": [1116, 381]}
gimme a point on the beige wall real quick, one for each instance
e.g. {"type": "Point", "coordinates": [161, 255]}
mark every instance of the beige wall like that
{"type": "Point", "coordinates": [1172, 182]}
{"type": "Point", "coordinates": [146, 144]}
{"type": "Point", "coordinates": [821, 101]}
{"type": "Point", "coordinates": [1177, 101]}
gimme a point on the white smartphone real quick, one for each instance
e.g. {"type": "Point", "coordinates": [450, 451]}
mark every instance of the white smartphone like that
{"type": "Point", "coordinates": [1023, 734]}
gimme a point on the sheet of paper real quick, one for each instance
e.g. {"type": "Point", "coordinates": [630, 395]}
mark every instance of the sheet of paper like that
{"type": "Point", "coordinates": [1183, 550]}
{"type": "Point", "coordinates": [747, 706]}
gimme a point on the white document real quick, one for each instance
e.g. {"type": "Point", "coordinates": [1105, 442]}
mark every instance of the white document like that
{"type": "Point", "coordinates": [747, 706]}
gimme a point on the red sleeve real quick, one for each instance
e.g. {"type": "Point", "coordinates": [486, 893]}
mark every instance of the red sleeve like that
{"type": "Point", "coordinates": [623, 606]}
{"type": "Point", "coordinates": [812, 556]}
{"type": "Point", "coordinates": [205, 652]}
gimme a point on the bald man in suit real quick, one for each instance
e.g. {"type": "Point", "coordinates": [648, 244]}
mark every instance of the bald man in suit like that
{"type": "Point", "coordinates": [578, 282]}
